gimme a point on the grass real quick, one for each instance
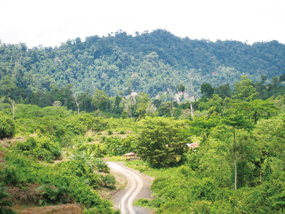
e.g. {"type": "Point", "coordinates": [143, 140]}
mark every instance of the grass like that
{"type": "Point", "coordinates": [153, 172]}
{"type": "Point", "coordinates": [116, 159]}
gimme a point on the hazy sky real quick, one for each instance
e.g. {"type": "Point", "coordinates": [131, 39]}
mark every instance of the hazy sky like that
{"type": "Point", "coordinates": [50, 22]}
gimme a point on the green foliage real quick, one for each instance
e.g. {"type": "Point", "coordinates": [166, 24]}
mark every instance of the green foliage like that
{"type": "Point", "coordinates": [207, 90]}
{"type": "Point", "coordinates": [110, 63]}
{"type": "Point", "coordinates": [160, 142]}
{"type": "Point", "coordinates": [154, 203]}
{"type": "Point", "coordinates": [4, 203]}
{"type": "Point", "coordinates": [52, 194]}
{"type": "Point", "coordinates": [101, 165]}
{"type": "Point", "coordinates": [122, 132]}
{"type": "Point", "coordinates": [40, 147]}
{"type": "Point", "coordinates": [110, 132]}
{"type": "Point", "coordinates": [7, 126]}
{"type": "Point", "coordinates": [65, 182]}
{"type": "Point", "coordinates": [109, 181]}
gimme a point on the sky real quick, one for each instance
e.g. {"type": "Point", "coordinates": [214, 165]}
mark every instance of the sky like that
{"type": "Point", "coordinates": [51, 22]}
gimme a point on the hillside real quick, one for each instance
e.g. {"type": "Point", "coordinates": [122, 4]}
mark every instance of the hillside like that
{"type": "Point", "coordinates": [148, 62]}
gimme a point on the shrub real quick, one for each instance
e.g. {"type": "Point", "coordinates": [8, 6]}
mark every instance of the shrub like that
{"type": "Point", "coordinates": [103, 138]}
{"type": "Point", "coordinates": [7, 126]}
{"type": "Point", "coordinates": [99, 133]}
{"type": "Point", "coordinates": [89, 139]}
{"type": "Point", "coordinates": [109, 181]}
{"type": "Point", "coordinates": [160, 141]}
{"type": "Point", "coordinates": [10, 175]}
{"type": "Point", "coordinates": [4, 204]}
{"type": "Point", "coordinates": [122, 132]}
{"type": "Point", "coordinates": [52, 194]}
{"type": "Point", "coordinates": [99, 124]}
{"type": "Point", "coordinates": [42, 148]}
{"type": "Point", "coordinates": [110, 132]}
{"type": "Point", "coordinates": [101, 165]}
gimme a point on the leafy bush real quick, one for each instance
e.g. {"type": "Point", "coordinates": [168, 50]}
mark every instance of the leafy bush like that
{"type": "Point", "coordinates": [4, 203]}
{"type": "Point", "coordinates": [103, 138]}
{"type": "Point", "coordinates": [109, 181]}
{"type": "Point", "coordinates": [40, 147]}
{"type": "Point", "coordinates": [99, 133]}
{"type": "Point", "coordinates": [154, 203]}
{"type": "Point", "coordinates": [7, 126]}
{"type": "Point", "coordinates": [122, 132]}
{"type": "Point", "coordinates": [10, 175]}
{"type": "Point", "coordinates": [99, 124]}
{"type": "Point", "coordinates": [160, 141]}
{"type": "Point", "coordinates": [101, 165]}
{"type": "Point", "coordinates": [110, 132]}
{"type": "Point", "coordinates": [52, 194]}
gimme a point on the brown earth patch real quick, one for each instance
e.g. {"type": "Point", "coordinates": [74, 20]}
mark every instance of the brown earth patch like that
{"type": "Point", "coordinates": [7, 142]}
{"type": "Point", "coordinates": [2, 156]}
{"type": "Point", "coordinates": [27, 195]}
{"type": "Point", "coordinates": [62, 209]}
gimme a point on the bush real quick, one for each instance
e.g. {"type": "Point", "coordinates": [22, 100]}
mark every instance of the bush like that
{"type": "Point", "coordinates": [10, 175]}
{"type": "Point", "coordinates": [160, 141]}
{"type": "Point", "coordinates": [99, 124]}
{"type": "Point", "coordinates": [109, 181]}
{"type": "Point", "coordinates": [101, 165]}
{"type": "Point", "coordinates": [4, 204]}
{"type": "Point", "coordinates": [110, 132]}
{"type": "Point", "coordinates": [7, 126]}
{"type": "Point", "coordinates": [42, 148]}
{"type": "Point", "coordinates": [122, 132]}
{"type": "Point", "coordinates": [52, 194]}
{"type": "Point", "coordinates": [99, 133]}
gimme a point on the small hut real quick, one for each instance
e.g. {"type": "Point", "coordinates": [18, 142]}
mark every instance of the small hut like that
{"type": "Point", "coordinates": [130, 155]}
{"type": "Point", "coordinates": [192, 146]}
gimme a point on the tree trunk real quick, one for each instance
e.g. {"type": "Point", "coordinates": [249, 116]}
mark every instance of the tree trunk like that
{"type": "Point", "coordinates": [13, 111]}
{"type": "Point", "coordinates": [235, 159]}
{"type": "Point", "coordinates": [172, 109]}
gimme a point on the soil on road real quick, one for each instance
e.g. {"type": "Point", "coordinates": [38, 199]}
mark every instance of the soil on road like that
{"type": "Point", "coordinates": [138, 186]}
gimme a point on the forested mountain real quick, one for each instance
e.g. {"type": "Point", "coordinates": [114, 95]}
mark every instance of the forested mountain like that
{"type": "Point", "coordinates": [148, 62]}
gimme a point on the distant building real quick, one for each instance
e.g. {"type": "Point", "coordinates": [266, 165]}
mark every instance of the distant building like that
{"type": "Point", "coordinates": [133, 95]}
{"type": "Point", "coordinates": [192, 146]}
{"type": "Point", "coordinates": [130, 155]}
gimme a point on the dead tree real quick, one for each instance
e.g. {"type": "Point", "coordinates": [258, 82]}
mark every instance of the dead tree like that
{"type": "Point", "coordinates": [76, 102]}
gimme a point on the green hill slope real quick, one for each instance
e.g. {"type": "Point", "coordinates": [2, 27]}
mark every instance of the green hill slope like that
{"type": "Point", "coordinates": [148, 62]}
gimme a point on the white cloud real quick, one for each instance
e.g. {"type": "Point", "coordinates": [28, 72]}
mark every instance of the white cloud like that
{"type": "Point", "coordinates": [51, 22]}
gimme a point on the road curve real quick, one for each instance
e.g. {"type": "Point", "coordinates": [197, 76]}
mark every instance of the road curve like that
{"type": "Point", "coordinates": [134, 182]}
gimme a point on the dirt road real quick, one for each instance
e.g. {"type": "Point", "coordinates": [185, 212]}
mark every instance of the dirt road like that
{"type": "Point", "coordinates": [138, 187]}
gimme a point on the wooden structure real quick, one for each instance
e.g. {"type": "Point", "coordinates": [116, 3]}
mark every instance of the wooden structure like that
{"type": "Point", "coordinates": [130, 155]}
{"type": "Point", "coordinates": [192, 146]}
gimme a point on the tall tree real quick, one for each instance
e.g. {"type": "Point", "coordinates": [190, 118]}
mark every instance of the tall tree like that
{"type": "Point", "coordinates": [245, 90]}
{"type": "Point", "coordinates": [100, 99]}
{"type": "Point", "coordinates": [207, 90]}
{"type": "Point", "coordinates": [235, 120]}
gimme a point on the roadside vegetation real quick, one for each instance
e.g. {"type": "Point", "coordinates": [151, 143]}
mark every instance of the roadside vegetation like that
{"type": "Point", "coordinates": [55, 155]}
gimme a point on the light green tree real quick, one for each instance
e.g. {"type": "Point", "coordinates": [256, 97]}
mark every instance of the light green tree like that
{"type": "Point", "coordinates": [159, 141]}
{"type": "Point", "coordinates": [235, 121]}
{"type": "Point", "coordinates": [100, 99]}
{"type": "Point", "coordinates": [245, 90]}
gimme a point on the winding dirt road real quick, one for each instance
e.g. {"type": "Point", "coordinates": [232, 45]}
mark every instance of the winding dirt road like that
{"type": "Point", "coordinates": [138, 187]}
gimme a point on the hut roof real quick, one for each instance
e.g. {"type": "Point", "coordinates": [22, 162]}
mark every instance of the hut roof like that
{"type": "Point", "coordinates": [130, 154]}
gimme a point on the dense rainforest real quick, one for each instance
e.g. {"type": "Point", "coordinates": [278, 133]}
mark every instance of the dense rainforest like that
{"type": "Point", "coordinates": [53, 155]}
{"type": "Point", "coordinates": [148, 62]}
{"type": "Point", "coordinates": [65, 110]}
